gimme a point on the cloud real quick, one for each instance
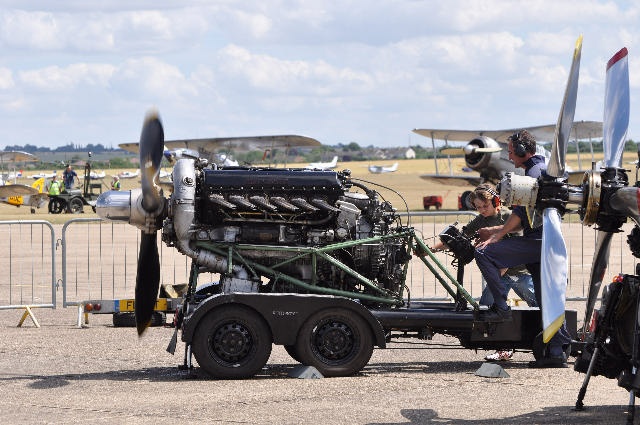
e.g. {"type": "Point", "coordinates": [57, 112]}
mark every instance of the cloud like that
{"type": "Point", "coordinates": [55, 78]}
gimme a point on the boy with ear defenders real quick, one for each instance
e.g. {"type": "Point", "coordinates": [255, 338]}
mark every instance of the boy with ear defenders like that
{"type": "Point", "coordinates": [487, 202]}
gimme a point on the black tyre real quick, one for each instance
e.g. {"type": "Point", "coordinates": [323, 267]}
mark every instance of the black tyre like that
{"type": "Point", "coordinates": [335, 341]}
{"type": "Point", "coordinates": [232, 342]}
{"type": "Point", "coordinates": [57, 205]}
{"type": "Point", "coordinates": [128, 320]}
{"type": "Point", "coordinates": [76, 206]}
{"type": "Point", "coordinates": [465, 201]}
{"type": "Point", "coordinates": [291, 350]}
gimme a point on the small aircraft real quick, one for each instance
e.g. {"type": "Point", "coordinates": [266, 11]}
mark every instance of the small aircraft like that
{"type": "Point", "coordinates": [43, 175]}
{"type": "Point", "coordinates": [129, 174]}
{"type": "Point", "coordinates": [323, 165]}
{"type": "Point", "coordinates": [486, 153]}
{"type": "Point", "coordinates": [209, 148]}
{"type": "Point", "coordinates": [20, 194]}
{"type": "Point", "coordinates": [379, 169]}
{"type": "Point", "coordinates": [93, 175]}
{"type": "Point", "coordinates": [35, 197]}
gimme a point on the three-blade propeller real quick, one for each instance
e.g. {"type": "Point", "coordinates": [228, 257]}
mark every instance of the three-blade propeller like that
{"type": "Point", "coordinates": [148, 274]}
{"type": "Point", "coordinates": [554, 252]}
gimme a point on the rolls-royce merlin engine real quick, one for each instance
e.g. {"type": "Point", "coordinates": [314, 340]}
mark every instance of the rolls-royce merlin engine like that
{"type": "Point", "coordinates": [282, 230]}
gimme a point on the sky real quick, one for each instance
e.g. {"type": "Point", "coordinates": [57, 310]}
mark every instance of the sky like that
{"type": "Point", "coordinates": [340, 71]}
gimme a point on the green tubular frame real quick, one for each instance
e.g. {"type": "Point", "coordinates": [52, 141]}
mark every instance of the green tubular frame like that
{"type": "Point", "coordinates": [233, 254]}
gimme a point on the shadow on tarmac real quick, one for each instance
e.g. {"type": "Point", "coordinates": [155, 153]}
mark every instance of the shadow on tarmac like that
{"type": "Point", "coordinates": [552, 415]}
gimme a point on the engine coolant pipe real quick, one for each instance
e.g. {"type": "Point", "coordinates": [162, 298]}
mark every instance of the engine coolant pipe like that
{"type": "Point", "coordinates": [182, 207]}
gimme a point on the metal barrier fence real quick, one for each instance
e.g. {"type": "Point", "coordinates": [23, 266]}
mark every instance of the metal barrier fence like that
{"type": "Point", "coordinates": [99, 260]}
{"type": "Point", "coordinates": [28, 266]}
{"type": "Point", "coordinates": [580, 241]}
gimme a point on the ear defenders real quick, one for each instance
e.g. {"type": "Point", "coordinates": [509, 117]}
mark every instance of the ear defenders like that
{"type": "Point", "coordinates": [519, 149]}
{"type": "Point", "coordinates": [495, 198]}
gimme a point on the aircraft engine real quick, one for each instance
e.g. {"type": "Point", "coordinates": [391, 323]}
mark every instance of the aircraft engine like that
{"type": "Point", "coordinates": [483, 154]}
{"type": "Point", "coordinates": [261, 209]}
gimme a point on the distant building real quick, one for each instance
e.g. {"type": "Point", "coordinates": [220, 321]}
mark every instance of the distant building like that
{"type": "Point", "coordinates": [410, 154]}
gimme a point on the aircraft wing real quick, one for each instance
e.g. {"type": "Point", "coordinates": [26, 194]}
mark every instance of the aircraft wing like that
{"type": "Point", "coordinates": [10, 190]}
{"type": "Point", "coordinates": [452, 180]}
{"type": "Point", "coordinates": [580, 130]}
{"type": "Point", "coordinates": [209, 145]}
{"type": "Point", "coordinates": [17, 156]}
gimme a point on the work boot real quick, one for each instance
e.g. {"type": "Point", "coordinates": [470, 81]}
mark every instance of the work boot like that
{"type": "Point", "coordinates": [550, 362]}
{"type": "Point", "coordinates": [494, 314]}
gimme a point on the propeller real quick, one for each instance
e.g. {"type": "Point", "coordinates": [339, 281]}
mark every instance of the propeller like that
{"type": "Point", "coordinates": [468, 150]}
{"type": "Point", "coordinates": [148, 274]}
{"type": "Point", "coordinates": [615, 124]}
{"type": "Point", "coordinates": [554, 251]}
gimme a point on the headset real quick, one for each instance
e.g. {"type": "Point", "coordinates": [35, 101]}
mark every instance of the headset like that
{"type": "Point", "coordinates": [495, 198]}
{"type": "Point", "coordinates": [518, 148]}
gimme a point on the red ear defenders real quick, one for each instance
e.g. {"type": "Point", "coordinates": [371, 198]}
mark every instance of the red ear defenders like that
{"type": "Point", "coordinates": [495, 199]}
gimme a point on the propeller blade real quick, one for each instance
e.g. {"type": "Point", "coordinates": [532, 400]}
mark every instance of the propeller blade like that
{"type": "Point", "coordinates": [557, 162]}
{"type": "Point", "coordinates": [598, 267]}
{"type": "Point", "coordinates": [485, 150]}
{"type": "Point", "coordinates": [452, 151]}
{"type": "Point", "coordinates": [625, 200]}
{"type": "Point", "coordinates": [553, 261]}
{"type": "Point", "coordinates": [147, 281]}
{"type": "Point", "coordinates": [553, 273]}
{"type": "Point", "coordinates": [616, 108]}
{"type": "Point", "coordinates": [151, 148]}
{"type": "Point", "coordinates": [468, 150]}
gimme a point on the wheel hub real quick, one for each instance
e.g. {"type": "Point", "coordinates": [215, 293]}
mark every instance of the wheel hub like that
{"type": "Point", "coordinates": [231, 342]}
{"type": "Point", "coordinates": [334, 340]}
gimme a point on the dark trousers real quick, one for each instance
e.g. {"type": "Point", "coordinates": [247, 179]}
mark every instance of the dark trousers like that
{"type": "Point", "coordinates": [510, 252]}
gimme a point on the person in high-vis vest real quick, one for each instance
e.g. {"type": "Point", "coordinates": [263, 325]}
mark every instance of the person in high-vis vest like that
{"type": "Point", "coordinates": [115, 184]}
{"type": "Point", "coordinates": [54, 186]}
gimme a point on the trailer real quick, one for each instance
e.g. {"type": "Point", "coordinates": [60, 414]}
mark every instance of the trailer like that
{"type": "Point", "coordinates": [313, 260]}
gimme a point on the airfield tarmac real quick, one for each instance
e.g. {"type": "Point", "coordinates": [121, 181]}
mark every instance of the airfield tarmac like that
{"type": "Point", "coordinates": [59, 373]}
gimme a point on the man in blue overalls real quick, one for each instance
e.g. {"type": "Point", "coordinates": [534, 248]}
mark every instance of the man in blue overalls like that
{"type": "Point", "coordinates": [495, 253]}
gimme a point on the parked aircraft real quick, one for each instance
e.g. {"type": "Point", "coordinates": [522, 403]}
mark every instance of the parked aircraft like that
{"type": "Point", "coordinates": [323, 165]}
{"type": "Point", "coordinates": [129, 174]}
{"type": "Point", "coordinates": [43, 175]}
{"type": "Point", "coordinates": [379, 169]}
{"type": "Point", "coordinates": [485, 153]}
{"type": "Point", "coordinates": [19, 194]}
{"type": "Point", "coordinates": [210, 148]}
{"type": "Point", "coordinates": [36, 196]}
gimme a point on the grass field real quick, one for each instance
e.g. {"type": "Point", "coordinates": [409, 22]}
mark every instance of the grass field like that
{"type": "Point", "coordinates": [403, 188]}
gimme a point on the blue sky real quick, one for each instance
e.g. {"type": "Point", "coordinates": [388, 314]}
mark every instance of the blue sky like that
{"type": "Point", "coordinates": [361, 71]}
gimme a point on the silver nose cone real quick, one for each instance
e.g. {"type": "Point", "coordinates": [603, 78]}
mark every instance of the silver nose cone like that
{"type": "Point", "coordinates": [114, 205]}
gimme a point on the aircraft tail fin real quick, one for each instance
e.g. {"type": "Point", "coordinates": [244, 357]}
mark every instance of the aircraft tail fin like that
{"type": "Point", "coordinates": [39, 185]}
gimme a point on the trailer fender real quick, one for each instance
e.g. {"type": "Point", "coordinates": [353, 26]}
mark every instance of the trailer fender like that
{"type": "Point", "coordinates": [284, 313]}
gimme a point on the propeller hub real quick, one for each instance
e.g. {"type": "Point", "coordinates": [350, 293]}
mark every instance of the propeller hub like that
{"type": "Point", "coordinates": [592, 183]}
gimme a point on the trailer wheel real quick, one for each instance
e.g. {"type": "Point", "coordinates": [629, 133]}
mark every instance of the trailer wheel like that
{"type": "Point", "coordinates": [232, 342]}
{"type": "Point", "coordinates": [291, 350]}
{"type": "Point", "coordinates": [56, 205]}
{"type": "Point", "coordinates": [335, 341]}
{"type": "Point", "coordinates": [76, 206]}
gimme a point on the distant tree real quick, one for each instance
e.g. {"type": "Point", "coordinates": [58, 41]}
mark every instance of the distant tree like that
{"type": "Point", "coordinates": [353, 146]}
